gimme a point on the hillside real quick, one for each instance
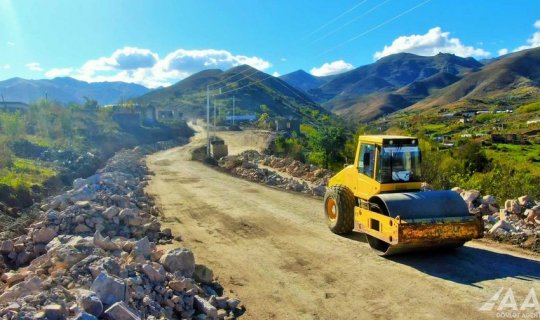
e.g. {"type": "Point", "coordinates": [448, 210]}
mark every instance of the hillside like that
{"type": "Point", "coordinates": [511, 80]}
{"type": "Point", "coordinates": [304, 81]}
{"type": "Point", "coordinates": [388, 85]}
{"type": "Point", "coordinates": [257, 92]}
{"type": "Point", "coordinates": [66, 90]}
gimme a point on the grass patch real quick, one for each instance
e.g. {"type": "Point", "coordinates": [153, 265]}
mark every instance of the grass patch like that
{"type": "Point", "coordinates": [528, 108]}
{"type": "Point", "coordinates": [517, 156]}
{"type": "Point", "coordinates": [39, 141]}
{"type": "Point", "coordinates": [25, 172]}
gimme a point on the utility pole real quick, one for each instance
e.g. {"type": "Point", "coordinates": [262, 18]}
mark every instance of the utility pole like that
{"type": "Point", "coordinates": [233, 103]}
{"type": "Point", "coordinates": [214, 117]}
{"type": "Point", "coordinates": [207, 121]}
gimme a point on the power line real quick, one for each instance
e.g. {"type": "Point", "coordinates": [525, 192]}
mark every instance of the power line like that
{"type": "Point", "coordinates": [237, 80]}
{"type": "Point", "coordinates": [336, 18]}
{"type": "Point", "coordinates": [245, 86]}
{"type": "Point", "coordinates": [269, 76]}
{"type": "Point", "coordinates": [375, 28]}
{"type": "Point", "coordinates": [349, 22]}
{"type": "Point", "coordinates": [229, 77]}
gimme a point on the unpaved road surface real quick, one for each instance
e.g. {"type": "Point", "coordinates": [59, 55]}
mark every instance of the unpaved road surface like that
{"type": "Point", "coordinates": [274, 251]}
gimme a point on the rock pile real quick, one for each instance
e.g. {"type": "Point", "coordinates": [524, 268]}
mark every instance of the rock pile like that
{"type": "Point", "coordinates": [92, 253]}
{"type": "Point", "coordinates": [517, 222]}
{"type": "Point", "coordinates": [289, 174]}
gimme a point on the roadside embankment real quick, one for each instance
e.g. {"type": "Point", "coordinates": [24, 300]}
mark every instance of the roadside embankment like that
{"type": "Point", "coordinates": [94, 252]}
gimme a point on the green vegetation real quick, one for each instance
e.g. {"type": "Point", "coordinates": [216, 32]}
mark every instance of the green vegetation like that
{"type": "Point", "coordinates": [52, 143]}
{"type": "Point", "coordinates": [25, 173]}
{"type": "Point", "coordinates": [326, 144]}
{"type": "Point", "coordinates": [528, 108]}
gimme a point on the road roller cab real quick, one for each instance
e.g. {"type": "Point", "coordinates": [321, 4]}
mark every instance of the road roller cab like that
{"type": "Point", "coordinates": [380, 195]}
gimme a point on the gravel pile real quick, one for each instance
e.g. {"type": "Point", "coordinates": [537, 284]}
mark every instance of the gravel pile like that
{"type": "Point", "coordinates": [287, 173]}
{"type": "Point", "coordinates": [517, 222]}
{"type": "Point", "coordinates": [92, 254]}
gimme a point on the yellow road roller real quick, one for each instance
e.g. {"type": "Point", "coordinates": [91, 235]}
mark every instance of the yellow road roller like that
{"type": "Point", "coordinates": [381, 196]}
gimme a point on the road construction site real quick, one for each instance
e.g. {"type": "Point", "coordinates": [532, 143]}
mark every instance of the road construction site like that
{"type": "Point", "coordinates": [273, 250]}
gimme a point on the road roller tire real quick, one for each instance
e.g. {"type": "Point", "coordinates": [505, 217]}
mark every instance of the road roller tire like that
{"type": "Point", "coordinates": [339, 209]}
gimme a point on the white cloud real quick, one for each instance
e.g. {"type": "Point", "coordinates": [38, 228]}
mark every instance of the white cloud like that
{"type": "Point", "coordinates": [191, 61]}
{"type": "Point", "coordinates": [331, 68]}
{"type": "Point", "coordinates": [534, 40]}
{"type": "Point", "coordinates": [10, 44]}
{"type": "Point", "coordinates": [502, 52]}
{"type": "Point", "coordinates": [130, 58]}
{"type": "Point", "coordinates": [275, 74]}
{"type": "Point", "coordinates": [283, 59]}
{"type": "Point", "coordinates": [145, 67]}
{"type": "Point", "coordinates": [6, 66]}
{"type": "Point", "coordinates": [34, 66]}
{"type": "Point", "coordinates": [429, 44]}
{"type": "Point", "coordinates": [58, 72]}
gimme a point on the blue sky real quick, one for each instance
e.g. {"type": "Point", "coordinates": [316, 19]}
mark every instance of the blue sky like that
{"type": "Point", "coordinates": [160, 42]}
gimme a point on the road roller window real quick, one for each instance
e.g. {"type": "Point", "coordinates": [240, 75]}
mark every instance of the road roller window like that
{"type": "Point", "coordinates": [366, 162]}
{"type": "Point", "coordinates": [399, 164]}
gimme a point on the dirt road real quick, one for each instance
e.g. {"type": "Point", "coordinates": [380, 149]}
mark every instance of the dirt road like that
{"type": "Point", "coordinates": [273, 249]}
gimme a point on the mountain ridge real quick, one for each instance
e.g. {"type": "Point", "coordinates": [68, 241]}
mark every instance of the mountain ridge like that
{"type": "Point", "coordinates": [259, 93]}
{"type": "Point", "coordinates": [66, 90]}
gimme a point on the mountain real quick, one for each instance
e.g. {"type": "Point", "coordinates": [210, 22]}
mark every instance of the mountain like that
{"type": "Point", "coordinates": [66, 90]}
{"type": "Point", "coordinates": [304, 81]}
{"type": "Point", "coordinates": [388, 85]}
{"type": "Point", "coordinates": [391, 83]}
{"type": "Point", "coordinates": [255, 92]}
{"type": "Point", "coordinates": [512, 79]}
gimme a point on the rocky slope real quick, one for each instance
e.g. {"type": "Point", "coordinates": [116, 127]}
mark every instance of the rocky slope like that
{"type": "Point", "coordinates": [93, 252]}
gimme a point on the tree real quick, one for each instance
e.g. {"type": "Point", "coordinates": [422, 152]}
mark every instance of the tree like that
{"type": "Point", "coordinates": [264, 108]}
{"type": "Point", "coordinates": [90, 104]}
{"type": "Point", "coordinates": [264, 122]}
{"type": "Point", "coordinates": [6, 155]}
{"type": "Point", "coordinates": [473, 158]}
{"type": "Point", "coordinates": [12, 125]}
{"type": "Point", "coordinates": [327, 144]}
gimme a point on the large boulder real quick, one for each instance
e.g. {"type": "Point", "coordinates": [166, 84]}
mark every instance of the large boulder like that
{"type": "Point", "coordinates": [21, 289]}
{"type": "Point", "coordinates": [111, 212]}
{"type": "Point", "coordinates": [6, 247]}
{"type": "Point", "coordinates": [82, 194]}
{"type": "Point", "coordinates": [179, 259]}
{"type": "Point", "coordinates": [154, 272]}
{"type": "Point", "coordinates": [502, 225]}
{"type": "Point", "coordinates": [55, 312]}
{"type": "Point", "coordinates": [470, 196]}
{"type": "Point", "coordinates": [203, 274]}
{"type": "Point", "coordinates": [121, 311]}
{"type": "Point", "coordinates": [488, 199]}
{"type": "Point", "coordinates": [90, 302]}
{"type": "Point", "coordinates": [43, 235]}
{"type": "Point", "coordinates": [319, 190]}
{"type": "Point", "coordinates": [110, 289]}
{"type": "Point", "coordinates": [205, 307]}
{"type": "Point", "coordinates": [512, 206]}
{"type": "Point", "coordinates": [142, 248]}
{"type": "Point", "coordinates": [84, 316]}
{"type": "Point", "coordinates": [104, 243]}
